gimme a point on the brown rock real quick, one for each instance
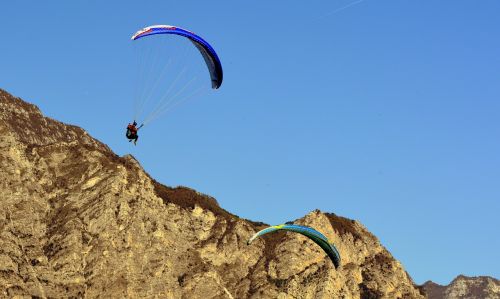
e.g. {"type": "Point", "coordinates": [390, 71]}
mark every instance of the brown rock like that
{"type": "Point", "coordinates": [78, 221]}
{"type": "Point", "coordinates": [481, 287]}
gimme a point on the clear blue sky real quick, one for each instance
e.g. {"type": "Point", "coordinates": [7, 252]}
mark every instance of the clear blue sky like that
{"type": "Point", "coordinates": [386, 112]}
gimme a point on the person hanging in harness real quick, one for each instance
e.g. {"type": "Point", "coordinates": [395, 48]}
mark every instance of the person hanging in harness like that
{"type": "Point", "coordinates": [132, 132]}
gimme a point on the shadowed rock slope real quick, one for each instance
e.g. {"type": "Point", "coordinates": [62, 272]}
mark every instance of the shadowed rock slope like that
{"type": "Point", "coordinates": [463, 287]}
{"type": "Point", "coordinates": [78, 221]}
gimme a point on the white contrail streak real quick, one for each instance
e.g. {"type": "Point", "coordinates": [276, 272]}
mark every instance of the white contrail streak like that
{"type": "Point", "coordinates": [341, 9]}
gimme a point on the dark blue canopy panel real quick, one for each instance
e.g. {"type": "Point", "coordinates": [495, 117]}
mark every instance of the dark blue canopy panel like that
{"type": "Point", "coordinates": [208, 53]}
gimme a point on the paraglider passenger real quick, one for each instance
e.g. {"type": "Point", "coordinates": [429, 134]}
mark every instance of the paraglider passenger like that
{"type": "Point", "coordinates": [132, 132]}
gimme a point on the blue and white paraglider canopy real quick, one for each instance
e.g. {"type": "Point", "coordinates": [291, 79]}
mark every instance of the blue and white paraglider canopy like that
{"type": "Point", "coordinates": [208, 53]}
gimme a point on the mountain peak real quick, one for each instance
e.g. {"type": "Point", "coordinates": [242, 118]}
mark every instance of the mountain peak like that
{"type": "Point", "coordinates": [79, 221]}
{"type": "Point", "coordinates": [464, 287]}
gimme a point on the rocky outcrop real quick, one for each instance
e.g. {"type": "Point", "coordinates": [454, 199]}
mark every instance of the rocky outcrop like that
{"type": "Point", "coordinates": [464, 287]}
{"type": "Point", "coordinates": [78, 221]}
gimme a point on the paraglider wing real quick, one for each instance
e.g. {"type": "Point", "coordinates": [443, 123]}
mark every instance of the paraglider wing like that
{"type": "Point", "coordinates": [209, 55]}
{"type": "Point", "coordinates": [309, 232]}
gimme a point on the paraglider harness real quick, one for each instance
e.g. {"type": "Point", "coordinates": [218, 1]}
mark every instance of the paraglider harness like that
{"type": "Point", "coordinates": [131, 133]}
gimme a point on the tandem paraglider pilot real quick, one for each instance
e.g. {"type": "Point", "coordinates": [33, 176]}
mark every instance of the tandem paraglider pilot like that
{"type": "Point", "coordinates": [132, 132]}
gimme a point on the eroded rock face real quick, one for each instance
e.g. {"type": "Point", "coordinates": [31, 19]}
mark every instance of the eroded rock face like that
{"type": "Point", "coordinates": [76, 220]}
{"type": "Point", "coordinates": [462, 287]}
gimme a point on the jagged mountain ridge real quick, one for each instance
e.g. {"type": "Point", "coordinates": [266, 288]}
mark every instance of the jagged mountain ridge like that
{"type": "Point", "coordinates": [481, 287]}
{"type": "Point", "coordinates": [76, 220]}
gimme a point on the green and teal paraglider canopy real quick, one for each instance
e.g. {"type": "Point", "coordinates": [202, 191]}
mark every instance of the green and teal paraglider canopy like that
{"type": "Point", "coordinates": [309, 232]}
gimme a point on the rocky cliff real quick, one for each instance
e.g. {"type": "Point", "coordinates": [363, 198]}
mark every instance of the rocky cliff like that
{"type": "Point", "coordinates": [464, 287]}
{"type": "Point", "coordinates": [78, 221]}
